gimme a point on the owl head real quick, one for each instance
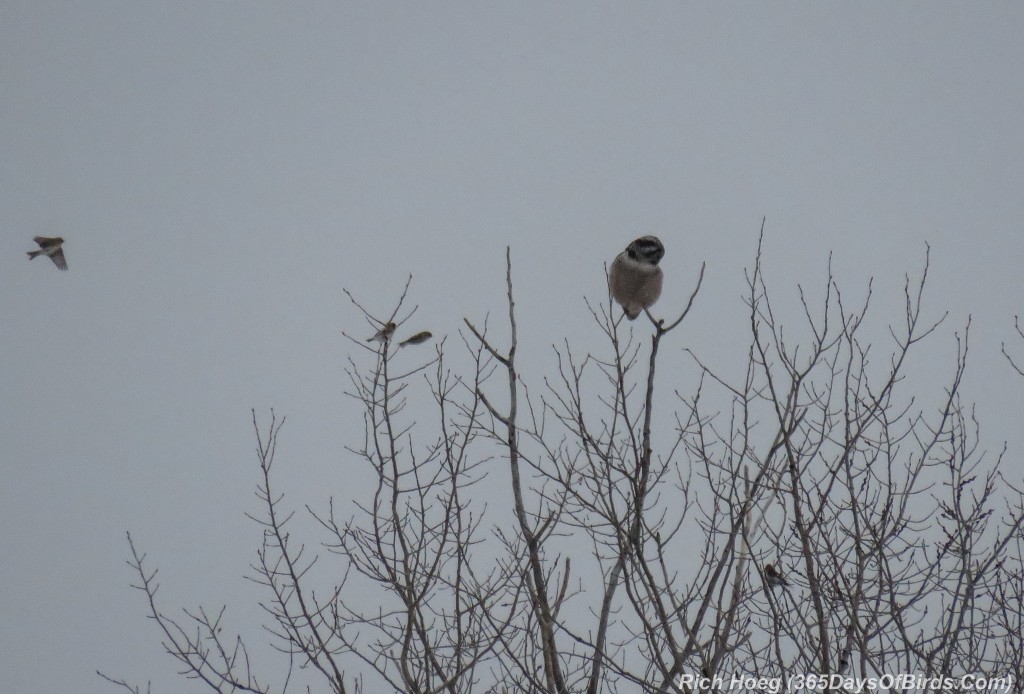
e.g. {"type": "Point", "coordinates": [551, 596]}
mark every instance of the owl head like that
{"type": "Point", "coordinates": [646, 249]}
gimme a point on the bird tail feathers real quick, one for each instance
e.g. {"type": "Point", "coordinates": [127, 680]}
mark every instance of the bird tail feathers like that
{"type": "Point", "coordinates": [33, 254]}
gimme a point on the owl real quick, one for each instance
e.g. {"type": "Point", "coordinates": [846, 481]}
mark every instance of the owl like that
{"type": "Point", "coordinates": [634, 279]}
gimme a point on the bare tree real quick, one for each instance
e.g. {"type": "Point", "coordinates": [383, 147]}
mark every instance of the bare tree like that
{"type": "Point", "coordinates": [814, 518]}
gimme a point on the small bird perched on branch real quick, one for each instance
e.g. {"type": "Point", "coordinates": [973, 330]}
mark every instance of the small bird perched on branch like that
{"type": "Point", "coordinates": [774, 578]}
{"type": "Point", "coordinates": [634, 279]}
{"type": "Point", "coordinates": [50, 246]}
{"type": "Point", "coordinates": [384, 334]}
{"type": "Point", "coordinates": [417, 339]}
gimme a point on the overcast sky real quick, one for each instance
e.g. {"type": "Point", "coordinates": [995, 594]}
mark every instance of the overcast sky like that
{"type": "Point", "coordinates": [222, 170]}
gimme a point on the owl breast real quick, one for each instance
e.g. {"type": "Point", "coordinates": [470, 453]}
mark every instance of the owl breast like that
{"type": "Point", "coordinates": [634, 285]}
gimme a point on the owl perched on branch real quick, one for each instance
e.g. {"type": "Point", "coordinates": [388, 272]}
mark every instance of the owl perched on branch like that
{"type": "Point", "coordinates": [634, 279]}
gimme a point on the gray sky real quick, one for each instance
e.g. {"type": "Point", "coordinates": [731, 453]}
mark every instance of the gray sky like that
{"type": "Point", "coordinates": [222, 170]}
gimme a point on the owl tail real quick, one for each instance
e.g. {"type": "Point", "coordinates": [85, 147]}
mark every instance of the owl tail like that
{"type": "Point", "coordinates": [33, 254]}
{"type": "Point", "coordinates": [630, 314]}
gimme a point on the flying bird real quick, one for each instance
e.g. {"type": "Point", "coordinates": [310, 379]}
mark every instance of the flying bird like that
{"type": "Point", "coordinates": [634, 279]}
{"type": "Point", "coordinates": [417, 339]}
{"type": "Point", "coordinates": [51, 248]}
{"type": "Point", "coordinates": [384, 334]}
{"type": "Point", "coordinates": [774, 578]}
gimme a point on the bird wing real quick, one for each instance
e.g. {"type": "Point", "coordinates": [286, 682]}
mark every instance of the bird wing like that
{"type": "Point", "coordinates": [46, 241]}
{"type": "Point", "coordinates": [58, 259]}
